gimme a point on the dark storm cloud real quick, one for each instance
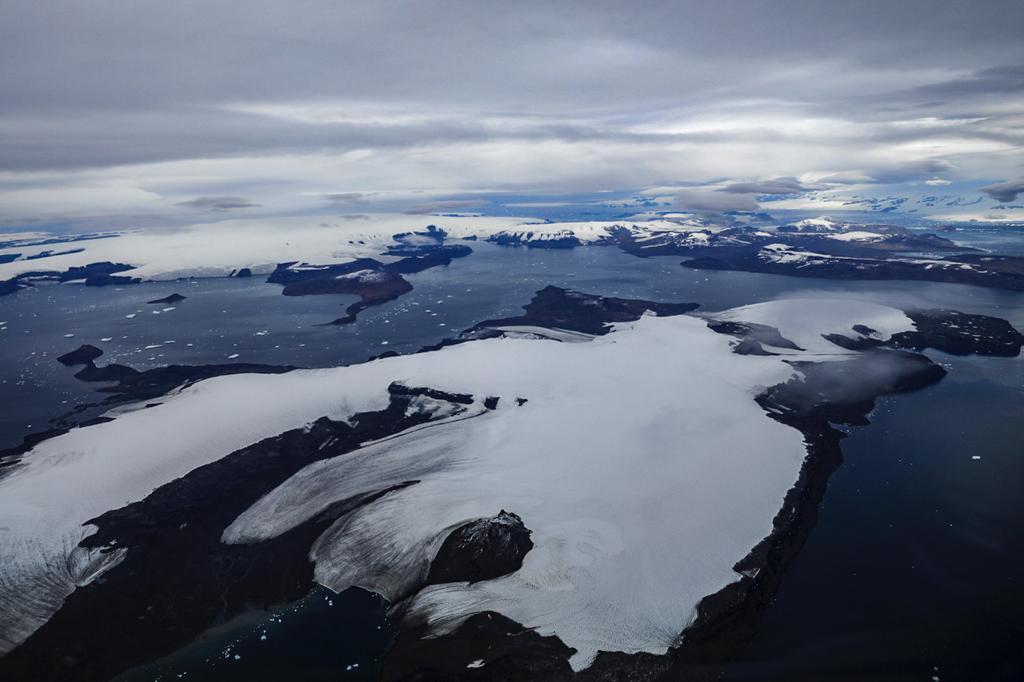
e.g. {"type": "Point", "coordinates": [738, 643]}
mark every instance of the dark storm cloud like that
{"type": "Point", "coordinates": [776, 186]}
{"type": "Point", "coordinates": [218, 203]}
{"type": "Point", "coordinates": [446, 206]}
{"type": "Point", "coordinates": [998, 80]}
{"type": "Point", "coordinates": [347, 197]}
{"type": "Point", "coordinates": [1005, 192]}
{"type": "Point", "coordinates": [712, 201]}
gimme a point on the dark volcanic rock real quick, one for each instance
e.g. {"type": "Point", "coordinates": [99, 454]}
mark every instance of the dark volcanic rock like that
{"type": "Point", "coordinates": [422, 258]}
{"type": "Point", "coordinates": [845, 391]}
{"type": "Point", "coordinates": [173, 298]}
{"type": "Point", "coordinates": [365, 277]}
{"type": "Point", "coordinates": [949, 331]}
{"type": "Point", "coordinates": [428, 244]}
{"type": "Point", "coordinates": [481, 550]}
{"type": "Point", "coordinates": [568, 241]}
{"type": "Point", "coordinates": [292, 272]}
{"type": "Point", "coordinates": [368, 284]}
{"type": "Point", "coordinates": [50, 253]}
{"type": "Point", "coordinates": [997, 273]}
{"type": "Point", "coordinates": [133, 385]}
{"type": "Point", "coordinates": [99, 273]}
{"type": "Point", "coordinates": [556, 308]}
{"type": "Point", "coordinates": [95, 275]}
{"type": "Point", "coordinates": [373, 281]}
{"type": "Point", "coordinates": [82, 355]}
{"type": "Point", "coordinates": [242, 272]}
{"type": "Point", "coordinates": [753, 337]}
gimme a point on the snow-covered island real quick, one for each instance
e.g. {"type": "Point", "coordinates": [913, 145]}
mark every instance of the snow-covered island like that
{"type": "Point", "coordinates": [634, 475]}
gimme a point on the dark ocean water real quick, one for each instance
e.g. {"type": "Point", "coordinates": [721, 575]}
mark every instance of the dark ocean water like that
{"type": "Point", "coordinates": [910, 573]}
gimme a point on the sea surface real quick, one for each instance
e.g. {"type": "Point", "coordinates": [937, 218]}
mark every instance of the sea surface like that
{"type": "Point", "coordinates": [910, 573]}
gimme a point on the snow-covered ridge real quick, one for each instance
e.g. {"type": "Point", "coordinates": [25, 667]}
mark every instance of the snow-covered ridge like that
{"type": "Point", "coordinates": [221, 248]}
{"type": "Point", "coordinates": [218, 249]}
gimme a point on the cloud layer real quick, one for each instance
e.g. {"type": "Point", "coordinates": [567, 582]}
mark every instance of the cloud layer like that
{"type": "Point", "coordinates": [138, 106]}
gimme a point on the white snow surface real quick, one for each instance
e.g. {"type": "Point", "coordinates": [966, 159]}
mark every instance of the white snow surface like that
{"type": "Point", "coordinates": [857, 236]}
{"type": "Point", "coordinates": [640, 462]}
{"type": "Point", "coordinates": [366, 276]}
{"type": "Point", "coordinates": [805, 321]}
{"type": "Point", "coordinates": [819, 224]}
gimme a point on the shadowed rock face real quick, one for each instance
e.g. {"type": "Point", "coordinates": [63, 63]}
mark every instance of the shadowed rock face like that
{"type": "Point", "coordinates": [995, 273]}
{"type": "Point", "coordinates": [752, 336]}
{"type": "Point", "coordinates": [557, 308]}
{"type": "Point", "coordinates": [173, 298]}
{"type": "Point", "coordinates": [481, 550]}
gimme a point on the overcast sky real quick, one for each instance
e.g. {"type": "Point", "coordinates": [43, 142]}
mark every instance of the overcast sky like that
{"type": "Point", "coordinates": [138, 107]}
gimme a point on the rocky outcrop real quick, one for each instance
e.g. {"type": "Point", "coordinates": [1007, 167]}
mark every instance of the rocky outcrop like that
{"type": "Point", "coordinates": [999, 273]}
{"type": "Point", "coordinates": [481, 550]}
{"type": "Point", "coordinates": [94, 275]}
{"type": "Point", "coordinates": [83, 355]}
{"type": "Point", "coordinates": [557, 308]}
{"type": "Point", "coordinates": [173, 298]}
{"type": "Point", "coordinates": [373, 281]}
{"type": "Point", "coordinates": [949, 331]}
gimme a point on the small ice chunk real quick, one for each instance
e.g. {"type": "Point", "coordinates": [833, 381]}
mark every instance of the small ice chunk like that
{"type": "Point", "coordinates": [69, 336]}
{"type": "Point", "coordinates": [232, 356]}
{"type": "Point", "coordinates": [975, 457]}
{"type": "Point", "coordinates": [130, 315]}
{"type": "Point", "coordinates": [478, 663]}
{"type": "Point", "coordinates": [107, 338]}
